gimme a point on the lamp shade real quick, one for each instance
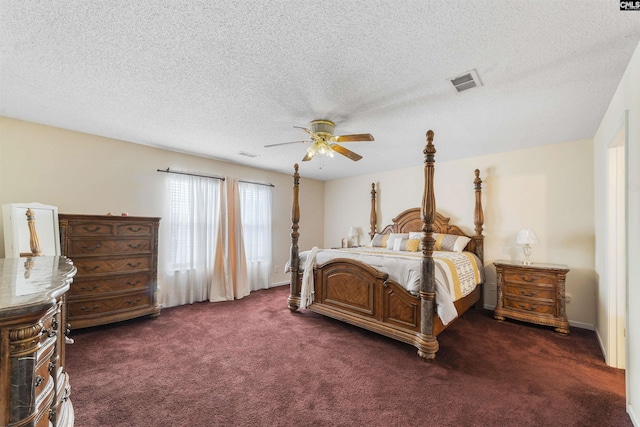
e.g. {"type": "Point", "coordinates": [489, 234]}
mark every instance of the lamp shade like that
{"type": "Point", "coordinates": [353, 231]}
{"type": "Point", "coordinates": [526, 236]}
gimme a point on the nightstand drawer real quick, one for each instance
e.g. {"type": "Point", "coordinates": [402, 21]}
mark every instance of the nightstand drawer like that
{"type": "Point", "coordinates": [527, 305]}
{"type": "Point", "coordinates": [537, 278]}
{"type": "Point", "coordinates": [543, 293]}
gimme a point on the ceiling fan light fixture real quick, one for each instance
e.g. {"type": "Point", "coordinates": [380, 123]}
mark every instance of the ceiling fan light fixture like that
{"type": "Point", "coordinates": [320, 147]}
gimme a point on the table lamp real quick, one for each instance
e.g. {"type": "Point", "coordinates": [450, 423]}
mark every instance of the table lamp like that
{"type": "Point", "coordinates": [526, 237]}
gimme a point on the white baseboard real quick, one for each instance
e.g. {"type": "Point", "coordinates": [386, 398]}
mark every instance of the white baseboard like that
{"type": "Point", "coordinates": [582, 325]}
{"type": "Point", "coordinates": [634, 419]}
{"type": "Point", "coordinates": [273, 285]}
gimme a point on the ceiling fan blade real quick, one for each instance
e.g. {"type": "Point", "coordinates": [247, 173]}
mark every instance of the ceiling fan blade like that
{"type": "Point", "coordinates": [305, 129]}
{"type": "Point", "coordinates": [284, 143]}
{"type": "Point", "coordinates": [355, 137]}
{"type": "Point", "coordinates": [348, 153]}
{"type": "Point", "coordinates": [307, 157]}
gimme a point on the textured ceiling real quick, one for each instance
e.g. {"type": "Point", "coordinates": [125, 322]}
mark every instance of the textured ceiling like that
{"type": "Point", "coordinates": [215, 78]}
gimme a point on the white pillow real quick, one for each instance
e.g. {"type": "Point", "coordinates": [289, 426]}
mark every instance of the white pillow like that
{"type": "Point", "coordinates": [394, 236]}
{"type": "Point", "coordinates": [415, 235]}
{"type": "Point", "coordinates": [450, 242]}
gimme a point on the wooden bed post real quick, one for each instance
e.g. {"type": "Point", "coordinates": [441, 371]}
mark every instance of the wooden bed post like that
{"type": "Point", "coordinates": [293, 302]}
{"type": "Point", "coordinates": [373, 218]}
{"type": "Point", "coordinates": [478, 217]}
{"type": "Point", "coordinates": [428, 344]}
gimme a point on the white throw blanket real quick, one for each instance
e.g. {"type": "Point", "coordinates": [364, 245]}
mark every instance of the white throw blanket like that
{"type": "Point", "coordinates": [307, 293]}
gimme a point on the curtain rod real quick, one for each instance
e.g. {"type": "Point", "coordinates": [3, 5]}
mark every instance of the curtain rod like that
{"type": "Point", "coordinates": [268, 184]}
{"type": "Point", "coordinates": [192, 174]}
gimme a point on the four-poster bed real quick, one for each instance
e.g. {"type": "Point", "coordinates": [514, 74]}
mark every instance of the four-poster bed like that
{"type": "Point", "coordinates": [357, 293]}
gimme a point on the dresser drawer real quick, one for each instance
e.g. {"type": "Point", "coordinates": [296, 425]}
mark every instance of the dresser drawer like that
{"type": "Point", "coordinates": [97, 306]}
{"type": "Point", "coordinates": [94, 266]}
{"type": "Point", "coordinates": [108, 247]}
{"type": "Point", "coordinates": [130, 282]}
{"type": "Point", "coordinates": [544, 293]}
{"type": "Point", "coordinates": [42, 376]}
{"type": "Point", "coordinates": [538, 278]}
{"type": "Point", "coordinates": [134, 229]}
{"type": "Point", "coordinates": [90, 228]}
{"type": "Point", "coordinates": [530, 306]}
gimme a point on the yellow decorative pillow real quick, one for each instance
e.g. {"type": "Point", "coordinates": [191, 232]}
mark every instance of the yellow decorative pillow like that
{"type": "Point", "coordinates": [407, 245]}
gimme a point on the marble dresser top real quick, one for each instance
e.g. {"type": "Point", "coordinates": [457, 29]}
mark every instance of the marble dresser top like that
{"type": "Point", "coordinates": [26, 284]}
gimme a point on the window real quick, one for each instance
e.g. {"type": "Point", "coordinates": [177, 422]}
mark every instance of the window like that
{"type": "Point", "coordinates": [255, 212]}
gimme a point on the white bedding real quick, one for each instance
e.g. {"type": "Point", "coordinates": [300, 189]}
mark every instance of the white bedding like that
{"type": "Point", "coordinates": [457, 274]}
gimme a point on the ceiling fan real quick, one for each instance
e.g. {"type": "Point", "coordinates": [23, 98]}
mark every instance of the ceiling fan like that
{"type": "Point", "coordinates": [324, 142]}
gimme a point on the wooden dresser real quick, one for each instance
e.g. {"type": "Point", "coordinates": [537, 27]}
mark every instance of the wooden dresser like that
{"type": "Point", "coordinates": [117, 262]}
{"type": "Point", "coordinates": [532, 293]}
{"type": "Point", "coordinates": [34, 386]}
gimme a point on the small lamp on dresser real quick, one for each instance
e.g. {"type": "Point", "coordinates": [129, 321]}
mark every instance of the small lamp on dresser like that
{"type": "Point", "coordinates": [526, 237]}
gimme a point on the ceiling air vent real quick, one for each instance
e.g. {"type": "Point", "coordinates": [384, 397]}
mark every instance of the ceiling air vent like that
{"type": "Point", "coordinates": [466, 81]}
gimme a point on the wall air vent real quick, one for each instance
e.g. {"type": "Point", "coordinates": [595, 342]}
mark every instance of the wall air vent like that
{"type": "Point", "coordinates": [466, 81]}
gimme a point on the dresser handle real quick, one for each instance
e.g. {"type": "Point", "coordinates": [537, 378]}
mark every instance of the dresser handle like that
{"type": "Point", "coordinates": [91, 230]}
{"type": "Point", "coordinates": [39, 380]}
{"type": "Point", "coordinates": [50, 332]}
{"type": "Point", "coordinates": [130, 283]}
{"type": "Point", "coordinates": [85, 268]}
{"type": "Point", "coordinates": [528, 294]}
{"type": "Point", "coordinates": [134, 302]}
{"type": "Point", "coordinates": [89, 288]}
{"type": "Point", "coordinates": [528, 308]}
{"type": "Point", "coordinates": [88, 310]}
{"type": "Point", "coordinates": [132, 246]}
{"type": "Point", "coordinates": [134, 230]}
{"type": "Point", "coordinates": [528, 279]}
{"type": "Point", "coordinates": [132, 265]}
{"type": "Point", "coordinates": [91, 248]}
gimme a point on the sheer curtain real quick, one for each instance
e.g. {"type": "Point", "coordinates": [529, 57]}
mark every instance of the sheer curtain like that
{"type": "Point", "coordinates": [194, 224]}
{"type": "Point", "coordinates": [255, 212]}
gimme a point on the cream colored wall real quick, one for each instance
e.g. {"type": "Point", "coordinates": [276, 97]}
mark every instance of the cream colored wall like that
{"type": "Point", "coordinates": [626, 98]}
{"type": "Point", "coordinates": [549, 189]}
{"type": "Point", "coordinates": [88, 174]}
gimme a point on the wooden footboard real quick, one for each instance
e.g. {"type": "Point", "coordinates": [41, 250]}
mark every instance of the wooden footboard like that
{"type": "Point", "coordinates": [358, 294]}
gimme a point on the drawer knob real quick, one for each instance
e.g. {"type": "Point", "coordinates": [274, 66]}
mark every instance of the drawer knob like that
{"type": "Point", "coordinates": [130, 283]}
{"type": "Point", "coordinates": [50, 332]}
{"type": "Point", "coordinates": [528, 307]}
{"type": "Point", "coordinates": [528, 293]}
{"type": "Point", "coordinates": [132, 246]}
{"type": "Point", "coordinates": [91, 229]}
{"type": "Point", "coordinates": [89, 310]}
{"type": "Point", "coordinates": [39, 380]}
{"type": "Point", "coordinates": [527, 278]}
{"type": "Point", "coordinates": [91, 248]}
{"type": "Point", "coordinates": [132, 265]}
{"type": "Point", "coordinates": [134, 229]}
{"type": "Point", "coordinates": [130, 302]}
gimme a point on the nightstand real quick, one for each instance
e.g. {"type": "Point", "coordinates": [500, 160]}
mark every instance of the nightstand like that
{"type": "Point", "coordinates": [532, 293]}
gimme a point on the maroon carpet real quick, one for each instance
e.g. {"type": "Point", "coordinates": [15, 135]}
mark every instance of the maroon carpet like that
{"type": "Point", "coordinates": [251, 362]}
